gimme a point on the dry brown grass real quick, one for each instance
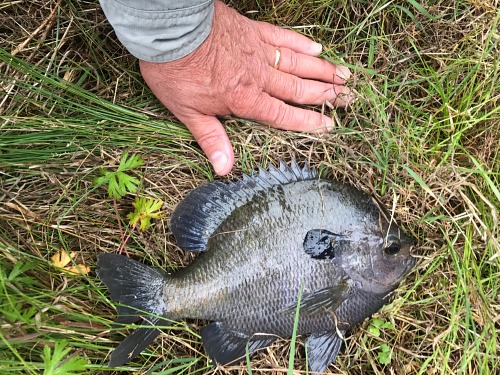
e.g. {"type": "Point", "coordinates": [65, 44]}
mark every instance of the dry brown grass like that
{"type": "Point", "coordinates": [446, 316]}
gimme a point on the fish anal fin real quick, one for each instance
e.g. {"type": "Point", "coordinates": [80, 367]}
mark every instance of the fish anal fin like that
{"type": "Point", "coordinates": [224, 345]}
{"type": "Point", "coordinates": [322, 349]}
{"type": "Point", "coordinates": [322, 300]}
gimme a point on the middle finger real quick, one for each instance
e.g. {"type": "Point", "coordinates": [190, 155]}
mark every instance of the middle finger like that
{"type": "Point", "coordinates": [306, 66]}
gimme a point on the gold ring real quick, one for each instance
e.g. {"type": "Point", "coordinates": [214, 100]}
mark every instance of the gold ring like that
{"type": "Point", "coordinates": [278, 58]}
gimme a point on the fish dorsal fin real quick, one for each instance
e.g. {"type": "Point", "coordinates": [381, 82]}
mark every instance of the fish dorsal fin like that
{"type": "Point", "coordinates": [200, 213]}
{"type": "Point", "coordinates": [323, 349]}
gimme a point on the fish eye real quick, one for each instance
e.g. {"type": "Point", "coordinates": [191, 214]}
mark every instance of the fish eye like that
{"type": "Point", "coordinates": [393, 245]}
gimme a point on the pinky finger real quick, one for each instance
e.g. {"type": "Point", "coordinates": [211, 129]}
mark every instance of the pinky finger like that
{"type": "Point", "coordinates": [279, 37]}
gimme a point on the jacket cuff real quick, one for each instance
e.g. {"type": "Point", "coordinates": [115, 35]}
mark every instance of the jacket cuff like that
{"type": "Point", "coordinates": [160, 30]}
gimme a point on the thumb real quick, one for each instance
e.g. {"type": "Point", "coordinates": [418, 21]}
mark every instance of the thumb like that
{"type": "Point", "coordinates": [213, 140]}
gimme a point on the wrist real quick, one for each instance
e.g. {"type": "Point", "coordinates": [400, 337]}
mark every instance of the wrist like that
{"type": "Point", "coordinates": [160, 31]}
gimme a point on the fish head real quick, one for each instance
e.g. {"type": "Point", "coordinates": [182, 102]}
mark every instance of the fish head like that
{"type": "Point", "coordinates": [377, 258]}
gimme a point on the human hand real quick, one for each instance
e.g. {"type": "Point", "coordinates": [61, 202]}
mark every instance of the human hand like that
{"type": "Point", "coordinates": [233, 72]}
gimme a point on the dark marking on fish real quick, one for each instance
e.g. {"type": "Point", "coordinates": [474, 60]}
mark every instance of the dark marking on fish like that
{"type": "Point", "coordinates": [322, 244]}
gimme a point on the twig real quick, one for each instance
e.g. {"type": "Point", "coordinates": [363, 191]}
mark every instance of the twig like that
{"type": "Point", "coordinates": [49, 19]}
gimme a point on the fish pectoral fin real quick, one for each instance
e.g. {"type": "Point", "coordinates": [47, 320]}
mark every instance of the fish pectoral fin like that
{"type": "Point", "coordinates": [322, 244]}
{"type": "Point", "coordinates": [224, 345]}
{"type": "Point", "coordinates": [136, 342]}
{"type": "Point", "coordinates": [322, 300]}
{"type": "Point", "coordinates": [322, 349]}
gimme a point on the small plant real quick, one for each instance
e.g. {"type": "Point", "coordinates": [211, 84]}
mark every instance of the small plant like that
{"type": "Point", "coordinates": [377, 324]}
{"type": "Point", "coordinates": [384, 355]}
{"type": "Point", "coordinates": [375, 328]}
{"type": "Point", "coordinates": [57, 362]}
{"type": "Point", "coordinates": [145, 210]}
{"type": "Point", "coordinates": [121, 183]}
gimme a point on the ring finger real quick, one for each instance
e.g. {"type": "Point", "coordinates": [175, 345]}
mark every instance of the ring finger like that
{"type": "Point", "coordinates": [293, 89]}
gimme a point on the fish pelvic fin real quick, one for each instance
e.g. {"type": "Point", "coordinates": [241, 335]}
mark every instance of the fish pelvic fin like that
{"type": "Point", "coordinates": [323, 349]}
{"type": "Point", "coordinates": [225, 345]}
{"type": "Point", "coordinates": [138, 289]}
{"type": "Point", "coordinates": [199, 214]}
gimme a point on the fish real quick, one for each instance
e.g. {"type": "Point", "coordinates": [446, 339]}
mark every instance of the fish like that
{"type": "Point", "coordinates": [270, 244]}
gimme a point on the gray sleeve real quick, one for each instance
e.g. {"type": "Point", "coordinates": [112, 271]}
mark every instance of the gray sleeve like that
{"type": "Point", "coordinates": [160, 30]}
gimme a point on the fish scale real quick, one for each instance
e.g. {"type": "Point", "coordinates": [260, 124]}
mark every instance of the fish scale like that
{"type": "Point", "coordinates": [266, 240]}
{"type": "Point", "coordinates": [215, 265]}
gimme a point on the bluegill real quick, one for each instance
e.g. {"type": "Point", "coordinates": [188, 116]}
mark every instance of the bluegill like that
{"type": "Point", "coordinates": [265, 241]}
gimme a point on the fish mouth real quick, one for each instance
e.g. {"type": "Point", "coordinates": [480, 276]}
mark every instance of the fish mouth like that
{"type": "Point", "coordinates": [409, 263]}
{"type": "Point", "coordinates": [413, 260]}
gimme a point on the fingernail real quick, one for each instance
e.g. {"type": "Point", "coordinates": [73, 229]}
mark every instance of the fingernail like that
{"type": "Point", "coordinates": [345, 98]}
{"type": "Point", "coordinates": [218, 160]}
{"type": "Point", "coordinates": [343, 72]}
{"type": "Point", "coordinates": [327, 123]}
{"type": "Point", "coordinates": [316, 48]}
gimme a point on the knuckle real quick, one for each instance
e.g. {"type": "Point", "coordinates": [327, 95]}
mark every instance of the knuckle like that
{"type": "Point", "coordinates": [243, 99]}
{"type": "Point", "coordinates": [234, 83]}
{"type": "Point", "coordinates": [279, 35]}
{"type": "Point", "coordinates": [326, 66]}
{"type": "Point", "coordinates": [208, 139]}
{"type": "Point", "coordinates": [298, 89]}
{"type": "Point", "coordinates": [293, 63]}
{"type": "Point", "coordinates": [278, 115]}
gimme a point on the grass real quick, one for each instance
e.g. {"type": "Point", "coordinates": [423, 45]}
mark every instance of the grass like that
{"type": "Point", "coordinates": [423, 136]}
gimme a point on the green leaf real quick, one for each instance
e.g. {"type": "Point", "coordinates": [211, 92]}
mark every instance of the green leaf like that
{"type": "Point", "coordinates": [135, 161]}
{"type": "Point", "coordinates": [422, 10]}
{"type": "Point", "coordinates": [58, 362]}
{"type": "Point", "coordinates": [377, 322]}
{"type": "Point", "coordinates": [294, 332]}
{"type": "Point", "coordinates": [374, 330]}
{"type": "Point", "coordinates": [388, 325]}
{"type": "Point", "coordinates": [119, 182]}
{"type": "Point", "coordinates": [19, 268]}
{"type": "Point", "coordinates": [384, 355]}
{"type": "Point", "coordinates": [377, 325]}
{"type": "Point", "coordinates": [145, 210]}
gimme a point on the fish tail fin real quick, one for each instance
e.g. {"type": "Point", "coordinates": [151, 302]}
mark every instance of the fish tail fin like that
{"type": "Point", "coordinates": [135, 343]}
{"type": "Point", "coordinates": [139, 290]}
